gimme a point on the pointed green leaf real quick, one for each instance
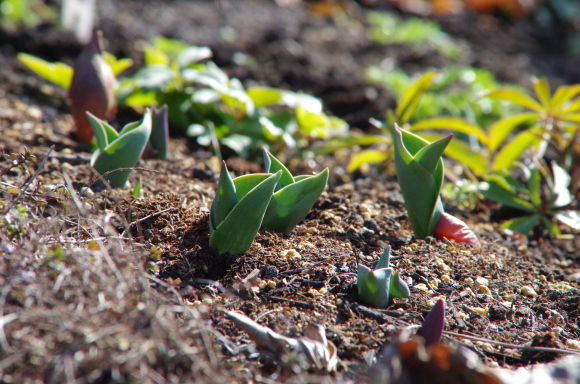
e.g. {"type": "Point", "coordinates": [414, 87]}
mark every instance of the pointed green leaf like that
{"type": "Point", "coordinates": [123, 152]}
{"type": "Point", "coordinates": [237, 232]}
{"type": "Point", "coordinates": [506, 157]}
{"type": "Point", "coordinates": [500, 130]}
{"type": "Point", "coordinates": [398, 287]}
{"type": "Point", "coordinates": [117, 65]}
{"type": "Point", "coordinates": [191, 55]}
{"type": "Point", "coordinates": [563, 95]}
{"type": "Point", "coordinates": [430, 155]}
{"type": "Point", "coordinates": [542, 89]}
{"type": "Point", "coordinates": [291, 204]}
{"type": "Point", "coordinates": [552, 227]}
{"type": "Point", "coordinates": [137, 190]}
{"type": "Point", "coordinates": [368, 156]}
{"type": "Point", "coordinates": [225, 199]}
{"type": "Point", "coordinates": [535, 185]}
{"type": "Point", "coordinates": [155, 56]}
{"type": "Point", "coordinates": [523, 225]}
{"type": "Point", "coordinates": [58, 73]}
{"type": "Point", "coordinates": [419, 187]}
{"type": "Point", "coordinates": [264, 96]}
{"type": "Point", "coordinates": [516, 97]}
{"type": "Point", "coordinates": [412, 96]}
{"type": "Point", "coordinates": [159, 139]}
{"type": "Point", "coordinates": [385, 258]}
{"type": "Point", "coordinates": [246, 183]}
{"type": "Point", "coordinates": [497, 188]}
{"type": "Point", "coordinates": [462, 152]}
{"type": "Point", "coordinates": [273, 165]}
{"type": "Point", "coordinates": [104, 133]}
{"type": "Point", "coordinates": [373, 286]}
{"type": "Point", "coordinates": [453, 124]}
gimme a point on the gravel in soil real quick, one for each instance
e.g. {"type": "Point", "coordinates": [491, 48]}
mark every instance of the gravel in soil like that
{"type": "Point", "coordinates": [93, 276]}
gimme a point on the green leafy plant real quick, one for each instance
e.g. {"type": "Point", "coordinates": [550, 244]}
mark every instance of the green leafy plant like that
{"type": "Point", "coordinates": [27, 13]}
{"type": "Point", "coordinates": [542, 193]}
{"type": "Point", "coordinates": [293, 198]}
{"type": "Point", "coordinates": [551, 122]}
{"type": "Point", "coordinates": [275, 200]}
{"type": "Point", "coordinates": [420, 172]}
{"type": "Point", "coordinates": [119, 149]}
{"type": "Point", "coordinates": [218, 110]}
{"type": "Point", "coordinates": [377, 286]}
{"type": "Point", "coordinates": [389, 28]}
{"type": "Point", "coordinates": [238, 209]}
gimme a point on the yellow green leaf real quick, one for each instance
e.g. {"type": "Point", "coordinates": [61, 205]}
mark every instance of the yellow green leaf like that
{"type": "Point", "coordinates": [453, 124]}
{"type": "Point", "coordinates": [412, 96]}
{"type": "Point", "coordinates": [516, 97]}
{"type": "Point", "coordinates": [499, 131]}
{"type": "Point", "coordinates": [368, 156]}
{"type": "Point", "coordinates": [542, 89]}
{"type": "Point", "coordinates": [58, 73]}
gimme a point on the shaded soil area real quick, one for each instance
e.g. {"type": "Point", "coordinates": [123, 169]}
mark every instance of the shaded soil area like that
{"type": "Point", "coordinates": [98, 286]}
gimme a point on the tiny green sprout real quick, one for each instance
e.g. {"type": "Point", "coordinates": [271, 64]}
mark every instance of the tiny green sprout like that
{"type": "Point", "coordinates": [238, 209]}
{"type": "Point", "coordinates": [137, 190]}
{"type": "Point", "coordinates": [293, 197]}
{"type": "Point", "coordinates": [420, 172]}
{"type": "Point", "coordinates": [377, 286]}
{"type": "Point", "coordinates": [159, 139]}
{"type": "Point", "coordinates": [119, 149]}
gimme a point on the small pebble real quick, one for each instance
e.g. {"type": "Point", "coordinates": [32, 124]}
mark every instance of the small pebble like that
{"type": "Point", "coordinates": [528, 291]}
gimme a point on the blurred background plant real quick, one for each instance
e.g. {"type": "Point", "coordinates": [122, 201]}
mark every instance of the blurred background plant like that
{"type": "Point", "coordinates": [25, 13]}
{"type": "Point", "coordinates": [219, 111]}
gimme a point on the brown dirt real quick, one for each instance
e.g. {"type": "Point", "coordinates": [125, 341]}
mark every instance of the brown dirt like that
{"type": "Point", "coordinates": [108, 288]}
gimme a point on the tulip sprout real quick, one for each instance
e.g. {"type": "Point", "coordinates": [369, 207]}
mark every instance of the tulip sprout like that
{"type": "Point", "coordinates": [275, 200]}
{"type": "Point", "coordinates": [420, 172]}
{"type": "Point", "coordinates": [377, 286]}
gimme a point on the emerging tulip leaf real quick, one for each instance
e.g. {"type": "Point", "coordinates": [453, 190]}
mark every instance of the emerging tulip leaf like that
{"type": "Point", "coordinates": [420, 172]}
{"type": "Point", "coordinates": [236, 232]}
{"type": "Point", "coordinates": [377, 286]}
{"type": "Point", "coordinates": [294, 199]}
{"type": "Point", "coordinates": [432, 328]}
{"type": "Point", "coordinates": [159, 140]}
{"type": "Point", "coordinates": [119, 150]}
{"type": "Point", "coordinates": [225, 199]}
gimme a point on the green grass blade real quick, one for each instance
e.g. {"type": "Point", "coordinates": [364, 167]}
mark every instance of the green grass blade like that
{"type": "Point", "coordinates": [291, 204]}
{"type": "Point", "coordinates": [237, 232]}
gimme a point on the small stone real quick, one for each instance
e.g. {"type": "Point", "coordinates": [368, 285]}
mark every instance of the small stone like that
{"type": "Point", "coordinates": [528, 291]}
{"type": "Point", "coordinates": [484, 289]}
{"type": "Point", "coordinates": [290, 254]}
{"type": "Point", "coordinates": [482, 311]}
{"type": "Point", "coordinates": [572, 344]}
{"type": "Point", "coordinates": [481, 281]}
{"type": "Point", "coordinates": [469, 281]}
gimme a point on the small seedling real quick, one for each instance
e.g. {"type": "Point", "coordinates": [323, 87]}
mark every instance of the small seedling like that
{"type": "Point", "coordinates": [377, 286]}
{"type": "Point", "coordinates": [238, 209]}
{"type": "Point", "coordinates": [293, 198]}
{"type": "Point", "coordinates": [420, 172]}
{"type": "Point", "coordinates": [544, 195]}
{"type": "Point", "coordinates": [432, 328]}
{"type": "Point", "coordinates": [119, 149]}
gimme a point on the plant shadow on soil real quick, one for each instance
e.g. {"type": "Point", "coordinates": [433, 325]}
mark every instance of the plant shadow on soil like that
{"type": "Point", "coordinates": [95, 298]}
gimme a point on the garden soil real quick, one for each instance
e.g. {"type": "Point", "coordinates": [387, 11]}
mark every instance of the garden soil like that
{"type": "Point", "coordinates": [99, 286]}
